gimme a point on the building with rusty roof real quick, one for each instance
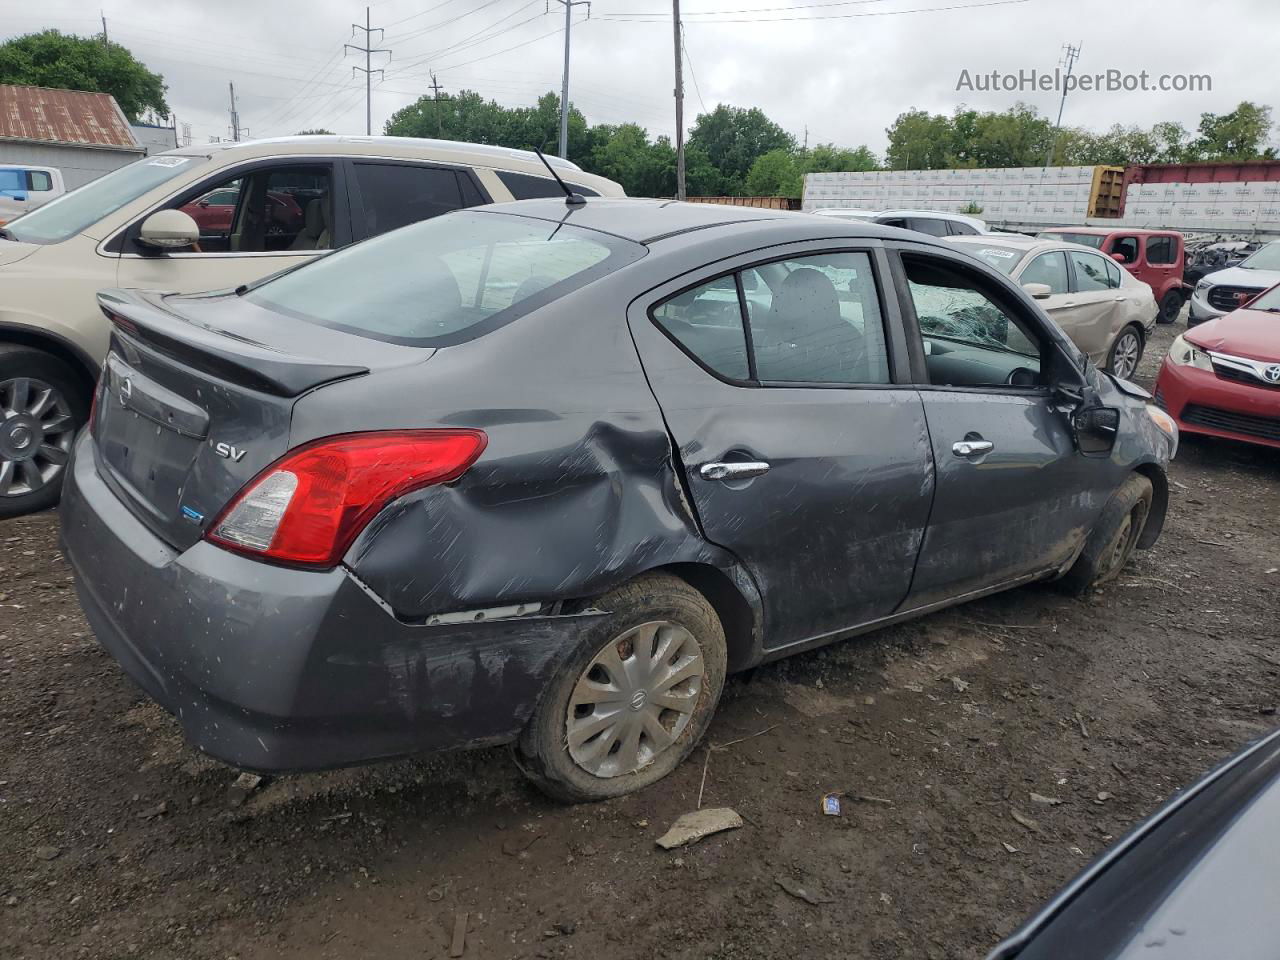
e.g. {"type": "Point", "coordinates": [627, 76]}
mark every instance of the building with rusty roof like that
{"type": "Point", "coordinates": [83, 134]}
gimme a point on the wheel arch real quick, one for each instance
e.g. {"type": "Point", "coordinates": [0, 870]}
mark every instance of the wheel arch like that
{"type": "Point", "coordinates": [1159, 503]}
{"type": "Point", "coordinates": [77, 360]}
{"type": "Point", "coordinates": [736, 602]}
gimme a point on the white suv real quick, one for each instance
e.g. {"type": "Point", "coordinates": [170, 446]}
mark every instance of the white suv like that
{"type": "Point", "coordinates": [205, 218]}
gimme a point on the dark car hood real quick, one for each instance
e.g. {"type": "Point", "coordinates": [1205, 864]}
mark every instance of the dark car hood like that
{"type": "Point", "coordinates": [1244, 333]}
{"type": "Point", "coordinates": [1199, 879]}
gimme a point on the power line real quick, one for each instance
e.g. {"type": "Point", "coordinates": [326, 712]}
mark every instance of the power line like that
{"type": "Point", "coordinates": [475, 39]}
{"type": "Point", "coordinates": [692, 76]}
{"type": "Point", "coordinates": [367, 69]}
{"type": "Point", "coordinates": [654, 18]}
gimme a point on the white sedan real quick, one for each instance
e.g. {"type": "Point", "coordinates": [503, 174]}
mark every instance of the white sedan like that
{"type": "Point", "coordinates": [1104, 309]}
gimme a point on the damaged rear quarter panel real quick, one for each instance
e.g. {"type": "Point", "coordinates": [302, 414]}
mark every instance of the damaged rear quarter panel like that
{"type": "Point", "coordinates": [575, 491]}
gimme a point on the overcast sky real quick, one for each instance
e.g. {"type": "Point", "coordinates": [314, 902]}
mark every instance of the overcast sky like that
{"type": "Point", "coordinates": [843, 68]}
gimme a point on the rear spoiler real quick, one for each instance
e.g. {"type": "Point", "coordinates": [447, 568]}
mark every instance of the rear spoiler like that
{"type": "Point", "coordinates": [143, 317]}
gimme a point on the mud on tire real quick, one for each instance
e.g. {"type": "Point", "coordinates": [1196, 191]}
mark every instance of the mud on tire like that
{"type": "Point", "coordinates": [543, 750]}
{"type": "Point", "coordinates": [1113, 538]}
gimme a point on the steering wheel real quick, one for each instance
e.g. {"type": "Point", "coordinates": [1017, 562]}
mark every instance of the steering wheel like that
{"type": "Point", "coordinates": [1022, 377]}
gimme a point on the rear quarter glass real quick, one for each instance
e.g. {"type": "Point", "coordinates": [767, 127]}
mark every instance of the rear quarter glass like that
{"type": "Point", "coordinates": [446, 280]}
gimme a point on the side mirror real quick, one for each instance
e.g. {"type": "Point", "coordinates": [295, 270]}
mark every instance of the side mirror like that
{"type": "Point", "coordinates": [203, 203]}
{"type": "Point", "coordinates": [1040, 291]}
{"type": "Point", "coordinates": [1096, 430]}
{"type": "Point", "coordinates": [1119, 258]}
{"type": "Point", "coordinates": [169, 230]}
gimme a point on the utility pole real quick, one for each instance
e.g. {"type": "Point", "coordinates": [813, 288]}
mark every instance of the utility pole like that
{"type": "Point", "coordinates": [806, 138]}
{"type": "Point", "coordinates": [1069, 61]}
{"type": "Point", "coordinates": [235, 117]}
{"type": "Point", "coordinates": [435, 89]}
{"type": "Point", "coordinates": [104, 27]}
{"type": "Point", "coordinates": [367, 69]}
{"type": "Point", "coordinates": [679, 104]}
{"type": "Point", "coordinates": [564, 86]}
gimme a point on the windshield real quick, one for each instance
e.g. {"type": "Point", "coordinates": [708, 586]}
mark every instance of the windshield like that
{"type": "Point", "coordinates": [1269, 301]}
{"type": "Point", "coordinates": [1267, 258]}
{"type": "Point", "coordinates": [445, 280]}
{"type": "Point", "coordinates": [1003, 259]}
{"type": "Point", "coordinates": [75, 212]}
{"type": "Point", "coordinates": [1087, 239]}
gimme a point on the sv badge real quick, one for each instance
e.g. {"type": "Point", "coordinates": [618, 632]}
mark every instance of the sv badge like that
{"type": "Point", "coordinates": [234, 454]}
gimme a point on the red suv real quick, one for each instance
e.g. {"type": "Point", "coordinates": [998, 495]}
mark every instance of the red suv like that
{"type": "Point", "coordinates": [1156, 257]}
{"type": "Point", "coordinates": [1223, 377]}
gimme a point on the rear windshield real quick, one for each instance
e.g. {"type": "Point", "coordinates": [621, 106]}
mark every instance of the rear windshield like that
{"type": "Point", "coordinates": [72, 213]}
{"type": "Point", "coordinates": [1087, 239]}
{"type": "Point", "coordinates": [526, 187]}
{"type": "Point", "coordinates": [1003, 259]}
{"type": "Point", "coordinates": [446, 280]}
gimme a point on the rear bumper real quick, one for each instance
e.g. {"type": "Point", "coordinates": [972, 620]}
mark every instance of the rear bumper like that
{"type": "Point", "coordinates": [1203, 403]}
{"type": "Point", "coordinates": [274, 669]}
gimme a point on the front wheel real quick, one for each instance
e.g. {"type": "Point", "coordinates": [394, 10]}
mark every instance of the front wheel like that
{"type": "Point", "coordinates": [1113, 538]}
{"type": "Point", "coordinates": [1126, 352]}
{"type": "Point", "coordinates": [42, 405]}
{"type": "Point", "coordinates": [634, 699]}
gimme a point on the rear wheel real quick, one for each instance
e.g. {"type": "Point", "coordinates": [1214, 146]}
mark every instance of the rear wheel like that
{"type": "Point", "coordinates": [1170, 307]}
{"type": "Point", "coordinates": [1126, 353]}
{"type": "Point", "coordinates": [635, 697]}
{"type": "Point", "coordinates": [42, 405]}
{"type": "Point", "coordinates": [1113, 538]}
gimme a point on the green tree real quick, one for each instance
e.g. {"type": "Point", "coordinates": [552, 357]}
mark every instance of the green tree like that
{"type": "Point", "coordinates": [315, 132]}
{"type": "Point", "coordinates": [1239, 136]}
{"type": "Point", "coordinates": [624, 153]}
{"type": "Point", "coordinates": [66, 62]}
{"type": "Point", "coordinates": [920, 141]}
{"type": "Point", "coordinates": [731, 138]}
{"type": "Point", "coordinates": [775, 174]}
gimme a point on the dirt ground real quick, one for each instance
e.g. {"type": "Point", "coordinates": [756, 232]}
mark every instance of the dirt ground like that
{"type": "Point", "coordinates": [116, 840]}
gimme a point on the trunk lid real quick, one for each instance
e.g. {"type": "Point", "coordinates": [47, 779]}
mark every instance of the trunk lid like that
{"type": "Point", "coordinates": [197, 398]}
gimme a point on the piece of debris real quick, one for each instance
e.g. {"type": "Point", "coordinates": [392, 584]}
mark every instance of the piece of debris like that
{"type": "Point", "coordinates": [1267, 711]}
{"type": "Point", "coordinates": [1121, 770]}
{"type": "Point", "coordinates": [1103, 797]}
{"type": "Point", "coordinates": [159, 810]}
{"type": "Point", "coordinates": [1041, 798]}
{"type": "Point", "coordinates": [831, 805]}
{"type": "Point", "coordinates": [517, 845]}
{"type": "Point", "coordinates": [1009, 847]}
{"type": "Point", "coordinates": [960, 686]}
{"type": "Point", "coordinates": [566, 927]}
{"type": "Point", "coordinates": [1271, 570]}
{"type": "Point", "coordinates": [801, 892]}
{"type": "Point", "coordinates": [867, 798]}
{"type": "Point", "coordinates": [692, 827]}
{"type": "Point", "coordinates": [1084, 731]}
{"type": "Point", "coordinates": [1026, 821]}
{"type": "Point", "coordinates": [244, 785]}
{"type": "Point", "coordinates": [11, 901]}
{"type": "Point", "coordinates": [869, 701]}
{"type": "Point", "coordinates": [1077, 851]}
{"type": "Point", "coordinates": [459, 942]}
{"type": "Point", "coordinates": [46, 852]}
{"type": "Point", "coordinates": [345, 815]}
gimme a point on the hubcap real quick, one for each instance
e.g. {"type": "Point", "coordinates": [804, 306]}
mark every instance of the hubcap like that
{"type": "Point", "coordinates": [1126, 356]}
{"type": "Point", "coordinates": [36, 430]}
{"type": "Point", "coordinates": [635, 699]}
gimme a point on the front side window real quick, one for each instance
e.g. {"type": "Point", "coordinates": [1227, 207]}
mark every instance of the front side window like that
{"type": "Point", "coordinates": [1049, 269]}
{"type": "Point", "coordinates": [1091, 272]}
{"type": "Point", "coordinates": [1161, 251]}
{"type": "Point", "coordinates": [1126, 247]}
{"type": "Point", "coordinates": [446, 279]}
{"type": "Point", "coordinates": [397, 194]}
{"type": "Point", "coordinates": [65, 216]}
{"type": "Point", "coordinates": [272, 209]}
{"type": "Point", "coordinates": [970, 337]}
{"type": "Point", "coordinates": [12, 182]}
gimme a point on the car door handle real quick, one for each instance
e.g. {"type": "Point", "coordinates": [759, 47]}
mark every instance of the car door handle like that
{"type": "Point", "coordinates": [733, 471]}
{"type": "Point", "coordinates": [972, 448]}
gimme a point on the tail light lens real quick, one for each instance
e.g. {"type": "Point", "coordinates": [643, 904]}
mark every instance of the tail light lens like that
{"type": "Point", "coordinates": [308, 506]}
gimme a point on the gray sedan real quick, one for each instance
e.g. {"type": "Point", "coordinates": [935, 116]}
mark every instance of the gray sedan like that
{"type": "Point", "coordinates": [546, 472]}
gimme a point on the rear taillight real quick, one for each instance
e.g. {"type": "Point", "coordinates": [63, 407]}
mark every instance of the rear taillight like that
{"type": "Point", "coordinates": [308, 506]}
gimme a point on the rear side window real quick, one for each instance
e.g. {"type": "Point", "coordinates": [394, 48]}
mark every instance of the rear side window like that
{"type": "Point", "coordinates": [1114, 273]}
{"type": "Point", "coordinates": [445, 280]}
{"type": "Point", "coordinates": [959, 229]}
{"type": "Point", "coordinates": [811, 320]}
{"type": "Point", "coordinates": [396, 194]}
{"type": "Point", "coordinates": [1160, 250]}
{"type": "Point", "coordinates": [929, 225]}
{"type": "Point", "coordinates": [526, 187]}
{"type": "Point", "coordinates": [39, 180]}
{"type": "Point", "coordinates": [1091, 272]}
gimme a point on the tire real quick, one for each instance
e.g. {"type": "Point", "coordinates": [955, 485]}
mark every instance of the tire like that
{"type": "Point", "coordinates": [1170, 307]}
{"type": "Point", "coordinates": [558, 750]}
{"type": "Point", "coordinates": [1113, 538]}
{"type": "Point", "coordinates": [1121, 351]}
{"type": "Point", "coordinates": [42, 406]}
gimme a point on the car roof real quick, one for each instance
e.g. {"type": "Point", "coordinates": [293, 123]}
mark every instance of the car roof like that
{"type": "Point", "coordinates": [1016, 241]}
{"type": "Point", "coordinates": [408, 148]}
{"type": "Point", "coordinates": [649, 221]}
{"type": "Point", "coordinates": [1107, 231]}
